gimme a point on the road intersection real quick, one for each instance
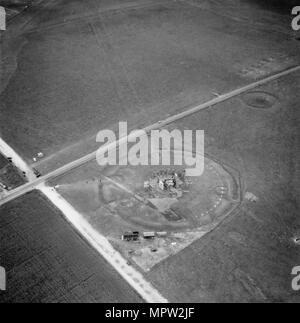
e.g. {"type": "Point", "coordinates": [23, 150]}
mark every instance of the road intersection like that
{"type": "Point", "coordinates": [33, 183]}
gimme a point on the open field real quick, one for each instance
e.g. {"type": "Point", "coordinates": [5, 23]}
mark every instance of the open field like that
{"type": "Point", "coordinates": [10, 176]}
{"type": "Point", "coordinates": [251, 255]}
{"type": "Point", "coordinates": [15, 7]}
{"type": "Point", "coordinates": [47, 261]}
{"type": "Point", "coordinates": [3, 161]}
{"type": "Point", "coordinates": [256, 133]}
{"type": "Point", "coordinates": [66, 77]}
{"type": "Point", "coordinates": [71, 68]}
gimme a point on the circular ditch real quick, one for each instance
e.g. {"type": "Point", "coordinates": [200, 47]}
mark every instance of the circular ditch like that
{"type": "Point", "coordinates": [259, 100]}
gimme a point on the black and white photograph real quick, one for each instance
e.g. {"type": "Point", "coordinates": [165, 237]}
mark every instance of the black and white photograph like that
{"type": "Point", "coordinates": [149, 154]}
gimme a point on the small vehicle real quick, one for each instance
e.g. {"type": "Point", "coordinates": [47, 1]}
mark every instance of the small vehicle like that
{"type": "Point", "coordinates": [4, 186]}
{"type": "Point", "coordinates": [37, 173]}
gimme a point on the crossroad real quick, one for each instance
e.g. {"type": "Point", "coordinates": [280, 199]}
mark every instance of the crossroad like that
{"type": "Point", "coordinates": [33, 184]}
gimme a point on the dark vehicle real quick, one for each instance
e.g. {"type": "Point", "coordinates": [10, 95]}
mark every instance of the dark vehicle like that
{"type": "Point", "coordinates": [37, 173]}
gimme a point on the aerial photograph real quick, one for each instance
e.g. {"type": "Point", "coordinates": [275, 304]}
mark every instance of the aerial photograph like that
{"type": "Point", "coordinates": [150, 153]}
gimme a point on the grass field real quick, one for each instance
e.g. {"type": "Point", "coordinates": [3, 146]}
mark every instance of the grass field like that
{"type": "Point", "coordinates": [71, 68]}
{"type": "Point", "coordinates": [3, 161]}
{"type": "Point", "coordinates": [250, 257]}
{"type": "Point", "coordinates": [9, 174]}
{"type": "Point", "coordinates": [66, 77]}
{"type": "Point", "coordinates": [46, 260]}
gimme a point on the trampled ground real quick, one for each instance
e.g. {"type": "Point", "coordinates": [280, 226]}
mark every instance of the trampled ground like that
{"type": "Point", "coordinates": [114, 201]}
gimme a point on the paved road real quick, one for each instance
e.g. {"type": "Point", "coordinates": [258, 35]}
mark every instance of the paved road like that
{"type": "Point", "coordinates": [68, 167]}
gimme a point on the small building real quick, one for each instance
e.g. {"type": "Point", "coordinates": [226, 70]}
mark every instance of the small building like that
{"type": "Point", "coordinates": [161, 234]}
{"type": "Point", "coordinates": [148, 235]}
{"type": "Point", "coordinates": [131, 236]}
